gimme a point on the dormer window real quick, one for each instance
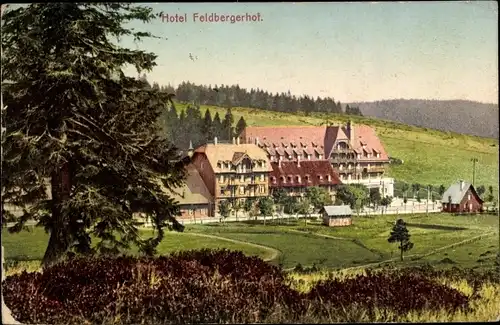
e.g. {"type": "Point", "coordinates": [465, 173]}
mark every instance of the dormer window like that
{"type": "Point", "coordinates": [219, 165]}
{"type": "Point", "coordinates": [320, 156]}
{"type": "Point", "coordinates": [273, 179]}
{"type": "Point", "coordinates": [308, 179]}
{"type": "Point", "coordinates": [283, 180]}
{"type": "Point", "coordinates": [320, 177]}
{"type": "Point", "coordinates": [359, 156]}
{"type": "Point", "coordinates": [298, 179]}
{"type": "Point", "coordinates": [289, 157]}
{"type": "Point", "coordinates": [308, 157]}
{"type": "Point", "coordinates": [378, 155]}
{"type": "Point", "coordinates": [290, 180]}
{"type": "Point", "coordinates": [329, 178]}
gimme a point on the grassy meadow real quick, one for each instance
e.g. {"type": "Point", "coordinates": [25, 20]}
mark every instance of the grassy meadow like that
{"type": "Point", "coordinates": [441, 240]}
{"type": "Point", "coordinates": [430, 156]}
{"type": "Point", "coordinates": [365, 242]}
{"type": "Point", "coordinates": [30, 245]}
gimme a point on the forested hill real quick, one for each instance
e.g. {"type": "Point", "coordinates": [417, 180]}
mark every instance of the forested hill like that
{"type": "Point", "coordinates": [459, 116]}
{"type": "Point", "coordinates": [234, 96]}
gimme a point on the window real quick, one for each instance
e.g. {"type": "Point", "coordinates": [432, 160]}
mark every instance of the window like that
{"type": "Point", "coordinates": [359, 156]}
{"type": "Point", "coordinates": [298, 179]}
{"type": "Point", "coordinates": [221, 179]}
{"type": "Point", "coordinates": [221, 191]}
{"type": "Point", "coordinates": [308, 157]}
{"type": "Point", "coordinates": [282, 178]}
{"type": "Point", "coordinates": [262, 189]}
{"type": "Point", "coordinates": [219, 165]}
{"type": "Point", "coordinates": [242, 189]}
{"type": "Point", "coordinates": [262, 178]}
{"type": "Point", "coordinates": [329, 178]}
{"type": "Point", "coordinates": [320, 156]}
{"type": "Point", "coordinates": [242, 178]}
{"type": "Point", "coordinates": [378, 155]}
{"type": "Point", "coordinates": [290, 179]}
{"type": "Point", "coordinates": [307, 179]}
{"type": "Point", "coordinates": [320, 177]}
{"type": "Point", "coordinates": [468, 197]}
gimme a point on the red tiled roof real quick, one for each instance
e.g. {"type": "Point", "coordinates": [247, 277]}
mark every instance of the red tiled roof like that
{"type": "Point", "coordinates": [321, 136]}
{"type": "Point", "coordinates": [311, 168]}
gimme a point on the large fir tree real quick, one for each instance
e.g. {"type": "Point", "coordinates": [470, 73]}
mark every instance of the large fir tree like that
{"type": "Point", "coordinates": [77, 123]}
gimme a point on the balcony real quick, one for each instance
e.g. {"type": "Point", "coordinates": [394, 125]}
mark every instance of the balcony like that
{"type": "Point", "coordinates": [342, 159]}
{"type": "Point", "coordinates": [341, 150]}
{"type": "Point", "coordinates": [376, 170]}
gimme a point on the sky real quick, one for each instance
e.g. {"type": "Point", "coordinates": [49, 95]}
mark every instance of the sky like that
{"type": "Point", "coordinates": [349, 51]}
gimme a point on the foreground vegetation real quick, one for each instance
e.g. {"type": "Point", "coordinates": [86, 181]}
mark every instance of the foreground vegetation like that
{"type": "Point", "coordinates": [430, 156]}
{"type": "Point", "coordinates": [222, 286]}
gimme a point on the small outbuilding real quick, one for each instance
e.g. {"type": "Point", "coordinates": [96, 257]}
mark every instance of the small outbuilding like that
{"type": "Point", "coordinates": [337, 215]}
{"type": "Point", "coordinates": [462, 197]}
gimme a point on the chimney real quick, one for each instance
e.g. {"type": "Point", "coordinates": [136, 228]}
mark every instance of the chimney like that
{"type": "Point", "coordinates": [350, 130]}
{"type": "Point", "coordinates": [190, 150]}
{"type": "Point", "coordinates": [215, 140]}
{"type": "Point", "coordinates": [461, 185]}
{"type": "Point", "coordinates": [298, 161]}
{"type": "Point", "coordinates": [234, 140]}
{"type": "Point", "coordinates": [238, 140]}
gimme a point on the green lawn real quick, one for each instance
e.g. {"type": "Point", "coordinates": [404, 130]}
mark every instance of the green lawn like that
{"type": "Point", "coordinates": [365, 241]}
{"type": "Point", "coordinates": [31, 245]}
{"type": "Point", "coordinates": [480, 254]}
{"type": "Point", "coordinates": [295, 248]}
{"type": "Point", "coordinates": [430, 156]}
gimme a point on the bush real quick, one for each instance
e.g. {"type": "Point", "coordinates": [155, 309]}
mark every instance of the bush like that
{"type": "Point", "coordinates": [217, 286]}
{"type": "Point", "coordinates": [189, 287]}
{"type": "Point", "coordinates": [401, 293]}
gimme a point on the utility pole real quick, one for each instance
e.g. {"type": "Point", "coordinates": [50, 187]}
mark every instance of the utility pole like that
{"type": "Point", "coordinates": [474, 161]}
{"type": "Point", "coordinates": [427, 206]}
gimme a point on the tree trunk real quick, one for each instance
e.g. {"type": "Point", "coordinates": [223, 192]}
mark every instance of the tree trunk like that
{"type": "Point", "coordinates": [401, 254]}
{"type": "Point", "coordinates": [59, 240]}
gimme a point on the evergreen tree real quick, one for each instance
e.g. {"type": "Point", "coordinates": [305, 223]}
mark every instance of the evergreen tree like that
{"type": "Point", "coordinates": [227, 125]}
{"type": "Point", "coordinates": [240, 126]}
{"type": "Point", "coordinates": [401, 235]}
{"type": "Point", "coordinates": [217, 126]}
{"type": "Point", "coordinates": [207, 127]}
{"type": "Point", "coordinates": [76, 125]}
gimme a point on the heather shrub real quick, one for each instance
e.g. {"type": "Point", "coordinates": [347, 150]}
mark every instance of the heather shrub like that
{"type": "Point", "coordinates": [221, 286]}
{"type": "Point", "coordinates": [399, 292]}
{"type": "Point", "coordinates": [189, 287]}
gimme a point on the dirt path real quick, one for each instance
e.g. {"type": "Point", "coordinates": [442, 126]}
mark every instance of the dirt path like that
{"type": "Point", "coordinates": [422, 255]}
{"type": "Point", "coordinates": [274, 253]}
{"type": "Point", "coordinates": [319, 235]}
{"type": "Point", "coordinates": [395, 258]}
